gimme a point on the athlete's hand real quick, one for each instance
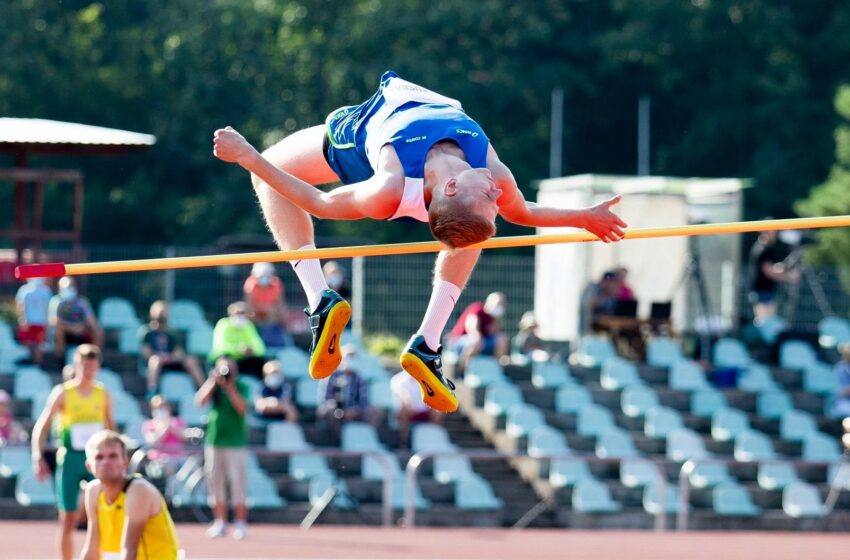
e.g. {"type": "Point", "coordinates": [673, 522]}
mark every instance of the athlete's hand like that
{"type": "Point", "coordinates": [40, 468]}
{"type": "Point", "coordinates": [603, 223]}
{"type": "Point", "coordinates": [230, 146]}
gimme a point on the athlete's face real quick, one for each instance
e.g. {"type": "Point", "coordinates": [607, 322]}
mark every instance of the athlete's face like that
{"type": "Point", "coordinates": [108, 463]}
{"type": "Point", "coordinates": [87, 368]}
{"type": "Point", "coordinates": [478, 190]}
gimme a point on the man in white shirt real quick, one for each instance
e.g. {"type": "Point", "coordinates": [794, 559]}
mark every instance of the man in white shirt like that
{"type": "Point", "coordinates": [409, 406]}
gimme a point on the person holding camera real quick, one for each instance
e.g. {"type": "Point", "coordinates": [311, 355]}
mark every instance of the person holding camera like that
{"type": "Point", "coordinates": [226, 447]}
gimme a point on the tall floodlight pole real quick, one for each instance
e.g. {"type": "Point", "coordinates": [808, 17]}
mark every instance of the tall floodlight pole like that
{"type": "Point", "coordinates": [643, 135]}
{"type": "Point", "coordinates": [556, 128]}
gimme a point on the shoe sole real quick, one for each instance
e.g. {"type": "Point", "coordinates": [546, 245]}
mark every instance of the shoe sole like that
{"type": "Point", "coordinates": [327, 356]}
{"type": "Point", "coordinates": [434, 393]}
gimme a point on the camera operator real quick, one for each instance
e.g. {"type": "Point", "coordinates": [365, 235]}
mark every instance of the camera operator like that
{"type": "Point", "coordinates": [345, 395]}
{"type": "Point", "coordinates": [767, 269]}
{"type": "Point", "coordinates": [225, 450]}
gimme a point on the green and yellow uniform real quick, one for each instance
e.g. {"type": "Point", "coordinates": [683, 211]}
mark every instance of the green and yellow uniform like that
{"type": "Point", "coordinates": [159, 538]}
{"type": "Point", "coordinates": [81, 416]}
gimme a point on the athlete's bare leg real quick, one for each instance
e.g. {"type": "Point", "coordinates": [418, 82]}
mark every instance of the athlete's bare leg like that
{"type": "Point", "coordinates": [299, 154]}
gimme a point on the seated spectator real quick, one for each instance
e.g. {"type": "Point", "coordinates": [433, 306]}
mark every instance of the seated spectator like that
{"type": "Point", "coordinates": [345, 395]}
{"type": "Point", "coordinates": [72, 317]}
{"type": "Point", "coordinates": [626, 293]}
{"type": "Point", "coordinates": [237, 337]}
{"type": "Point", "coordinates": [264, 297]}
{"type": "Point", "coordinates": [604, 296]}
{"type": "Point", "coordinates": [32, 302]}
{"type": "Point", "coordinates": [165, 439]}
{"type": "Point", "coordinates": [336, 279]}
{"type": "Point", "coordinates": [161, 349]}
{"type": "Point", "coordinates": [526, 343]}
{"type": "Point", "coordinates": [841, 406]}
{"type": "Point", "coordinates": [409, 406]}
{"type": "Point", "coordinates": [11, 432]}
{"type": "Point", "coordinates": [275, 400]}
{"type": "Point", "coordinates": [477, 330]}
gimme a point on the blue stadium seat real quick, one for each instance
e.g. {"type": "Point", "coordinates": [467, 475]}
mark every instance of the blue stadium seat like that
{"type": "Point", "coordinates": [833, 331]}
{"type": "Point", "coordinates": [294, 362]}
{"type": "Point", "coordinates": [708, 474]}
{"type": "Point", "coordinates": [568, 472]}
{"type": "Point", "coordinates": [483, 371]}
{"type": "Point", "coordinates": [475, 493]}
{"type": "Point", "coordinates": [660, 421]}
{"type": "Point", "coordinates": [819, 378]}
{"type": "Point", "coordinates": [687, 375]}
{"type": "Point", "coordinates": [776, 476]}
{"type": "Point", "coordinates": [117, 313]}
{"type": "Point", "coordinates": [499, 398]}
{"type": "Point", "coordinates": [307, 393]}
{"type": "Point", "coordinates": [592, 496]}
{"type": "Point", "coordinates": [800, 499]}
{"type": "Point", "coordinates": [727, 423]}
{"type": "Point", "coordinates": [653, 505]}
{"type": "Point", "coordinates": [773, 404]}
{"type": "Point", "coordinates": [546, 440]}
{"type": "Point", "coordinates": [796, 354]}
{"type": "Point", "coordinates": [191, 413]}
{"type": "Point", "coordinates": [380, 393]}
{"type": "Point", "coordinates": [685, 444]}
{"type": "Point", "coordinates": [183, 314]}
{"type": "Point", "coordinates": [637, 400]}
{"type": "Point", "coordinates": [618, 373]}
{"type": "Point", "coordinates": [638, 472]}
{"type": "Point", "coordinates": [14, 459]}
{"type": "Point", "coordinates": [569, 399]}
{"type": "Point", "coordinates": [594, 350]}
{"type": "Point", "coordinates": [663, 352]}
{"type": "Point", "coordinates": [430, 437]}
{"type": "Point", "coordinates": [706, 402]}
{"type": "Point", "coordinates": [200, 339]}
{"type": "Point", "coordinates": [796, 425]}
{"type": "Point", "coordinates": [730, 352]}
{"type": "Point", "coordinates": [756, 378]}
{"type": "Point", "coordinates": [30, 492]}
{"type": "Point", "coordinates": [615, 443]}
{"type": "Point", "coordinates": [751, 445]}
{"type": "Point", "coordinates": [522, 418]}
{"type": "Point", "coordinates": [262, 492]}
{"type": "Point", "coordinates": [820, 447]}
{"type": "Point", "coordinates": [174, 386]}
{"type": "Point", "coordinates": [545, 375]}
{"type": "Point", "coordinates": [30, 381]}
{"type": "Point", "coordinates": [732, 499]}
{"type": "Point", "coordinates": [594, 420]}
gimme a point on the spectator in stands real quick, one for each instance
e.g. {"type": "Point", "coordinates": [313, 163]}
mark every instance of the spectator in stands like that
{"type": "Point", "coordinates": [11, 432]}
{"type": "Point", "coordinates": [626, 293]}
{"type": "Point", "coordinates": [161, 349]}
{"type": "Point", "coordinates": [264, 296]}
{"type": "Point", "coordinates": [32, 302]}
{"type": "Point", "coordinates": [275, 400]}
{"type": "Point", "coordinates": [409, 406]}
{"type": "Point", "coordinates": [478, 331]}
{"type": "Point", "coordinates": [235, 336]}
{"type": "Point", "coordinates": [336, 279]}
{"type": "Point", "coordinates": [841, 406]}
{"type": "Point", "coordinates": [345, 395]}
{"type": "Point", "coordinates": [604, 295]}
{"type": "Point", "coordinates": [82, 407]}
{"type": "Point", "coordinates": [526, 343]}
{"type": "Point", "coordinates": [165, 439]}
{"type": "Point", "coordinates": [766, 272]}
{"type": "Point", "coordinates": [225, 451]}
{"type": "Point", "coordinates": [73, 319]}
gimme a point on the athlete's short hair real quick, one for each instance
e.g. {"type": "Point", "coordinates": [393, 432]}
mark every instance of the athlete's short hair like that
{"type": "Point", "coordinates": [88, 352]}
{"type": "Point", "coordinates": [105, 437]}
{"type": "Point", "coordinates": [458, 225]}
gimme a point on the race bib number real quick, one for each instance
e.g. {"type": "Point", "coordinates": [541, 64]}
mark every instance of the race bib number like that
{"type": "Point", "coordinates": [80, 434]}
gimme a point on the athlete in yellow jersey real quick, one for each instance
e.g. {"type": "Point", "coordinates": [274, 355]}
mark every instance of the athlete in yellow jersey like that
{"type": "Point", "coordinates": [83, 407]}
{"type": "Point", "coordinates": [127, 516]}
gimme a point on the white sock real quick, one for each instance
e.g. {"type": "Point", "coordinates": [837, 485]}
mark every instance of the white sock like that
{"type": "Point", "coordinates": [443, 300]}
{"type": "Point", "coordinates": [309, 272]}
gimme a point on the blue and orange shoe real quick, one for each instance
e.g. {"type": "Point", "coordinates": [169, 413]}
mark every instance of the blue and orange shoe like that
{"type": "Point", "coordinates": [327, 323]}
{"type": "Point", "coordinates": [426, 367]}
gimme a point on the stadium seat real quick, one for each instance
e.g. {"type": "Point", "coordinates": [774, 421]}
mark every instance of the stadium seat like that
{"type": "Point", "coordinates": [776, 476]}
{"type": "Point", "coordinates": [30, 492]}
{"type": "Point", "coordinates": [800, 499]}
{"type": "Point", "coordinates": [660, 421]}
{"type": "Point", "coordinates": [730, 352]}
{"type": "Point", "coordinates": [773, 404]}
{"type": "Point", "coordinates": [451, 469]}
{"type": "Point", "coordinates": [756, 378]}
{"type": "Point", "coordinates": [708, 474]}
{"type": "Point", "coordinates": [568, 472]}
{"type": "Point", "coordinates": [321, 483]}
{"type": "Point", "coordinates": [429, 437]}
{"type": "Point", "coordinates": [593, 420]}
{"type": "Point", "coordinates": [569, 399]}
{"type": "Point", "coordinates": [833, 331]}
{"type": "Point", "coordinates": [305, 466]}
{"type": "Point", "coordinates": [30, 381]}
{"type": "Point", "coordinates": [687, 375]}
{"type": "Point", "coordinates": [399, 492]}
{"type": "Point", "coordinates": [380, 393]}
{"type": "Point", "coordinates": [636, 400]}
{"type": "Point", "coordinates": [615, 443]}
{"type": "Point", "coordinates": [796, 425]}
{"type": "Point", "coordinates": [475, 493]}
{"type": "Point", "coordinates": [125, 407]}
{"type": "Point", "coordinates": [175, 385]}
{"type": "Point", "coordinates": [191, 413]}
{"type": "Point", "coordinates": [706, 402]}
{"type": "Point", "coordinates": [637, 471]}
{"type": "Point", "coordinates": [133, 430]}
{"type": "Point", "coordinates": [796, 354]}
{"type": "Point", "coordinates": [732, 499]}
{"type": "Point", "coordinates": [819, 378]}
{"type": "Point", "coordinates": [111, 380]}
{"type": "Point", "coordinates": [651, 503]}
{"type": "Point", "coordinates": [592, 496]}
{"type": "Point", "coordinates": [199, 341]}
{"type": "Point", "coordinates": [183, 314]}
{"type": "Point", "coordinates": [499, 398]}
{"type": "Point", "coordinates": [129, 341]}
{"type": "Point", "coordinates": [368, 366]}
{"type": "Point", "coordinates": [483, 371]}
{"type": "Point", "coordinates": [117, 313]}
{"type": "Point", "coordinates": [838, 475]}
{"type": "Point", "coordinates": [751, 445]}
{"type": "Point", "coordinates": [546, 375]}
{"type": "Point", "coordinates": [685, 444]}
{"type": "Point", "coordinates": [820, 447]}
{"type": "Point", "coordinates": [360, 436]}
{"type": "Point", "coordinates": [770, 327]}
{"type": "Point", "coordinates": [14, 459]}
{"type": "Point", "coordinates": [289, 437]}
{"type": "Point", "coordinates": [618, 373]}
{"type": "Point", "coordinates": [663, 352]}
{"type": "Point", "coordinates": [727, 423]}
{"type": "Point", "coordinates": [262, 492]}
{"type": "Point", "coordinates": [546, 440]}
{"type": "Point", "coordinates": [307, 393]}
{"type": "Point", "coordinates": [522, 418]}
{"type": "Point", "coordinates": [255, 386]}
{"type": "Point", "coordinates": [595, 350]}
{"type": "Point", "coordinates": [294, 362]}
{"type": "Point", "coordinates": [10, 351]}
{"type": "Point", "coordinates": [39, 401]}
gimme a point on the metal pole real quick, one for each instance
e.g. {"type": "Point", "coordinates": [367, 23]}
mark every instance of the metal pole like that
{"type": "Point", "coordinates": [168, 287]}
{"type": "Point", "coordinates": [358, 289]}
{"type": "Point", "coordinates": [556, 132]}
{"type": "Point", "coordinates": [409, 506]}
{"type": "Point", "coordinates": [643, 135]}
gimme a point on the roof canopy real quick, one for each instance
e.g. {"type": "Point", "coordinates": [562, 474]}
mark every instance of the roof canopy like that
{"type": "Point", "coordinates": [40, 135]}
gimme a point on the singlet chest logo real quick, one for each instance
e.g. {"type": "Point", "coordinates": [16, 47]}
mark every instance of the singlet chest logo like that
{"type": "Point", "coordinates": [416, 139]}
{"type": "Point", "coordinates": [467, 132]}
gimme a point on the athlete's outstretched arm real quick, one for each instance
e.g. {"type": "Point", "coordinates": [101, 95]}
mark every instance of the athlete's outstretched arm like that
{"type": "Point", "coordinates": [350, 202]}
{"type": "Point", "coordinates": [91, 548]}
{"type": "Point", "coordinates": [598, 219]}
{"type": "Point", "coordinates": [138, 507]}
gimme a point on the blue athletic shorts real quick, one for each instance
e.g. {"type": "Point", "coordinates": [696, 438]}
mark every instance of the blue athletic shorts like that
{"type": "Point", "coordinates": [344, 144]}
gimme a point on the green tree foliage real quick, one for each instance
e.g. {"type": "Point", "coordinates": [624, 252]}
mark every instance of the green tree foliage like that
{"type": "Point", "coordinates": [832, 197]}
{"type": "Point", "coordinates": [739, 88]}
